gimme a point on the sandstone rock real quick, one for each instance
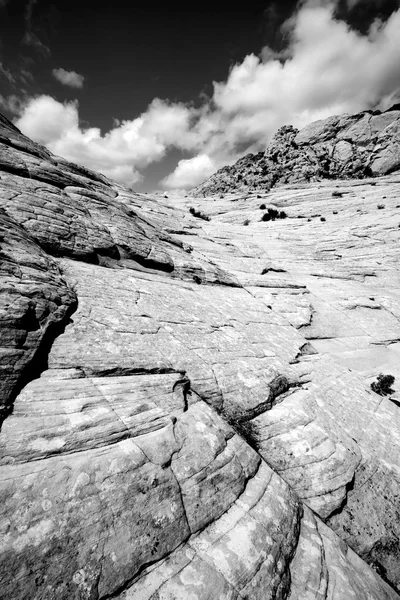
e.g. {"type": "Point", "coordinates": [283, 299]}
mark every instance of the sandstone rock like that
{"type": "Point", "coordinates": [349, 146]}
{"type": "Point", "coordinates": [191, 421]}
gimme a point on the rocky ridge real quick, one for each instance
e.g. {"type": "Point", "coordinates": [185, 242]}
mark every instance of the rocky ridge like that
{"type": "Point", "coordinates": [187, 408]}
{"type": "Point", "coordinates": [346, 147]}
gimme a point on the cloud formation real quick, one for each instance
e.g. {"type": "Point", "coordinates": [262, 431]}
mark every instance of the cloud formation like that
{"type": "Point", "coordinates": [30, 38]}
{"type": "Point", "coordinates": [6, 74]}
{"type": "Point", "coordinates": [190, 172]}
{"type": "Point", "coordinates": [69, 78]}
{"type": "Point", "coordinates": [327, 69]}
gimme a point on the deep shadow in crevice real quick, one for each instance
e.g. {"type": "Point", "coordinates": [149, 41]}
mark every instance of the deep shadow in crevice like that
{"type": "Point", "coordinates": [39, 361]}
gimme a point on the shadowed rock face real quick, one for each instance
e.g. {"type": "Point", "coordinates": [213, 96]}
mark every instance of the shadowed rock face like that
{"type": "Point", "coordinates": [348, 146]}
{"type": "Point", "coordinates": [179, 425]}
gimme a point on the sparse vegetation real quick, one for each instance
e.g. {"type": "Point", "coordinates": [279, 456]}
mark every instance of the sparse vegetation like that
{"type": "Point", "coordinates": [383, 385]}
{"type": "Point", "coordinates": [335, 212]}
{"type": "Point", "coordinates": [274, 270]}
{"type": "Point", "coordinates": [273, 214]}
{"type": "Point", "coordinates": [322, 219]}
{"type": "Point", "coordinates": [199, 214]}
{"type": "Point", "coordinates": [380, 206]}
{"type": "Point", "coordinates": [337, 194]}
{"type": "Point", "coordinates": [246, 222]}
{"type": "Point", "coordinates": [262, 206]}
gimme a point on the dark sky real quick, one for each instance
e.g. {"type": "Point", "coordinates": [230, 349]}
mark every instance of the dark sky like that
{"type": "Point", "coordinates": [132, 51]}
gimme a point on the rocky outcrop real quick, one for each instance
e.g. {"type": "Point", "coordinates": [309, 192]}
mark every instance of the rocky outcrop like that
{"type": "Point", "coordinates": [347, 146]}
{"type": "Point", "coordinates": [178, 424]}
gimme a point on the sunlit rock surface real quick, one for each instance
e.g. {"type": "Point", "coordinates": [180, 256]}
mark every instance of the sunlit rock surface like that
{"type": "Point", "coordinates": [346, 146]}
{"type": "Point", "coordinates": [178, 424]}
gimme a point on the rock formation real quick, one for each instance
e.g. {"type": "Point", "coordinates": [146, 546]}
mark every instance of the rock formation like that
{"type": "Point", "coordinates": [348, 146]}
{"type": "Point", "coordinates": [187, 404]}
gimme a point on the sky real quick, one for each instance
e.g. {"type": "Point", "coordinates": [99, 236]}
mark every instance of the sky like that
{"type": "Point", "coordinates": [159, 98]}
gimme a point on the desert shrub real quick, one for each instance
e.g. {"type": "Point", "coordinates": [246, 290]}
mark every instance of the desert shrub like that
{"type": "Point", "coordinates": [199, 214]}
{"type": "Point", "coordinates": [246, 222]}
{"type": "Point", "coordinates": [258, 196]}
{"type": "Point", "coordinates": [322, 219]}
{"type": "Point", "coordinates": [309, 219]}
{"type": "Point", "coordinates": [335, 212]}
{"type": "Point", "coordinates": [273, 269]}
{"type": "Point", "coordinates": [262, 206]}
{"type": "Point", "coordinates": [380, 206]}
{"type": "Point", "coordinates": [383, 385]}
{"type": "Point", "coordinates": [337, 194]}
{"type": "Point", "coordinates": [273, 214]}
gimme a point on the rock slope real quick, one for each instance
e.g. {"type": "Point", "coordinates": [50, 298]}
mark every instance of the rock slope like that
{"type": "Point", "coordinates": [187, 410]}
{"type": "Point", "coordinates": [347, 146]}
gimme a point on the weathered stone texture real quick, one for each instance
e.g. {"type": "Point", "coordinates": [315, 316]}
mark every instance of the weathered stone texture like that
{"type": "Point", "coordinates": [191, 412]}
{"type": "Point", "coordinates": [349, 146]}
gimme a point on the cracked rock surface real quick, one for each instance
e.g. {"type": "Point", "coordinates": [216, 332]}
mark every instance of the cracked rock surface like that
{"type": "Point", "coordinates": [178, 424]}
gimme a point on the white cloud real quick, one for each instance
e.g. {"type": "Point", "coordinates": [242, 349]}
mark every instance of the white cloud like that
{"type": "Point", "coordinates": [70, 78]}
{"type": "Point", "coordinates": [120, 152]}
{"type": "Point", "coordinates": [190, 172]}
{"type": "Point", "coordinates": [11, 103]}
{"type": "Point", "coordinates": [327, 69]}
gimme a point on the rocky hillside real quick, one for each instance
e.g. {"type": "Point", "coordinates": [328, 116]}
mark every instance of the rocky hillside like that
{"type": "Point", "coordinates": [187, 409]}
{"type": "Point", "coordinates": [347, 146]}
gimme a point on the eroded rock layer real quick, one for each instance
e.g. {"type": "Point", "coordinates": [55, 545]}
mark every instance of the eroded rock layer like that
{"type": "Point", "coordinates": [348, 146]}
{"type": "Point", "coordinates": [188, 411]}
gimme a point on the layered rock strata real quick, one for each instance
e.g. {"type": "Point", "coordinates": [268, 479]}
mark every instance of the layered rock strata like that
{"type": "Point", "coordinates": [186, 430]}
{"type": "Point", "coordinates": [348, 146]}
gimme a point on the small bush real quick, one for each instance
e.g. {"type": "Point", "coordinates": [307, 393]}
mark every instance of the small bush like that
{"type": "Point", "coordinates": [273, 214]}
{"type": "Point", "coordinates": [322, 219]}
{"type": "Point", "coordinates": [335, 212]}
{"type": "Point", "coordinates": [262, 206]}
{"type": "Point", "coordinates": [383, 385]}
{"type": "Point", "coordinates": [380, 206]}
{"type": "Point", "coordinates": [247, 222]}
{"type": "Point", "coordinates": [199, 214]}
{"type": "Point", "coordinates": [337, 194]}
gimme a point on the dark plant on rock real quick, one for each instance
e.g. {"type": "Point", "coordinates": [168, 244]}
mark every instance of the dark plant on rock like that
{"type": "Point", "coordinates": [383, 385]}
{"type": "Point", "coordinates": [199, 214]}
{"type": "Point", "coordinates": [273, 214]}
